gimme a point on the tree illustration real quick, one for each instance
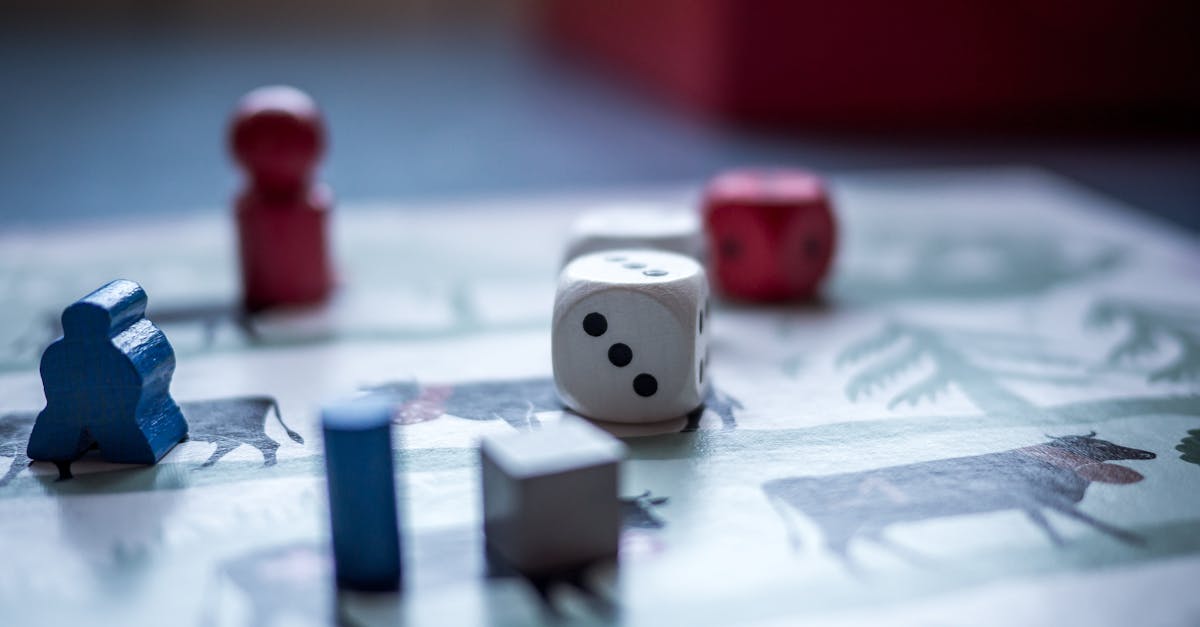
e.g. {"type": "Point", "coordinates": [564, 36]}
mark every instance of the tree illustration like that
{"type": "Point", "coordinates": [1190, 447]}
{"type": "Point", "coordinates": [979, 364]}
{"type": "Point", "coordinates": [998, 265]}
{"type": "Point", "coordinates": [1150, 329]}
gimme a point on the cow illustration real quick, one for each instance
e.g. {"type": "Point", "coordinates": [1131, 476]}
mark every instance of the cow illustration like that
{"type": "Point", "coordinates": [14, 435]}
{"type": "Point", "coordinates": [232, 422]}
{"type": "Point", "coordinates": [228, 423]}
{"type": "Point", "coordinates": [513, 401]}
{"type": "Point", "coordinates": [1050, 476]}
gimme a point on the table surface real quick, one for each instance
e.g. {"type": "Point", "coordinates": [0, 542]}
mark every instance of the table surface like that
{"type": "Point", "coordinates": [992, 418]}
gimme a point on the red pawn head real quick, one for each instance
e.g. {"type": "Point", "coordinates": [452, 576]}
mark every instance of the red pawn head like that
{"type": "Point", "coordinates": [771, 233]}
{"type": "Point", "coordinates": [277, 135]}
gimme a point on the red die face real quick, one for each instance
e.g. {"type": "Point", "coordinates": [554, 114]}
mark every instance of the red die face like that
{"type": "Point", "coordinates": [771, 233]}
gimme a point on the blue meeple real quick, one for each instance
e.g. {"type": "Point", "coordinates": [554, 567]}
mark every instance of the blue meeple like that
{"type": "Point", "coordinates": [107, 382]}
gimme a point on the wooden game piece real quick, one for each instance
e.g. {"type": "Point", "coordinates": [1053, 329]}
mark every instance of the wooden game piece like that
{"type": "Point", "coordinates": [771, 233]}
{"type": "Point", "coordinates": [107, 383]}
{"type": "Point", "coordinates": [629, 340]}
{"type": "Point", "coordinates": [550, 496]}
{"type": "Point", "coordinates": [277, 136]}
{"type": "Point", "coordinates": [634, 226]}
{"type": "Point", "coordinates": [362, 495]}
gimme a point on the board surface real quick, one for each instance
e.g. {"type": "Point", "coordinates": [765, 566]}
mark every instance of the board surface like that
{"type": "Point", "coordinates": [993, 417]}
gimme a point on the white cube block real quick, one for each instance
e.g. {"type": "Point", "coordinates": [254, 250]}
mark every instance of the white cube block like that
{"type": "Point", "coordinates": [550, 496]}
{"type": "Point", "coordinates": [635, 226]}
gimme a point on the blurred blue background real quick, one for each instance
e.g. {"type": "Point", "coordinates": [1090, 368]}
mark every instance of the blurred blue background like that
{"type": "Point", "coordinates": [119, 109]}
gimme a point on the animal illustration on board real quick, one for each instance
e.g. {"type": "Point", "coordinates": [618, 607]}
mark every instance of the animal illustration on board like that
{"type": "Point", "coordinates": [1052, 476]}
{"type": "Point", "coordinates": [226, 423]}
{"type": "Point", "coordinates": [515, 401]}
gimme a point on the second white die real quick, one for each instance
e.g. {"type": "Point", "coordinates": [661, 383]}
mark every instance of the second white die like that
{"type": "Point", "coordinates": [656, 227]}
{"type": "Point", "coordinates": [630, 336]}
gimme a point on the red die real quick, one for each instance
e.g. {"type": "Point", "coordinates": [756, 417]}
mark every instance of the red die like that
{"type": "Point", "coordinates": [277, 136]}
{"type": "Point", "coordinates": [771, 233]}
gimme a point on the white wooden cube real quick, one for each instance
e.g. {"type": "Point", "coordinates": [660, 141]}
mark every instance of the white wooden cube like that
{"type": "Point", "coordinates": [629, 340]}
{"type": "Point", "coordinates": [631, 225]}
{"type": "Point", "coordinates": [550, 496]}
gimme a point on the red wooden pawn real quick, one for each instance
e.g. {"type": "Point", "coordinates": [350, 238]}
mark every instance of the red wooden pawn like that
{"type": "Point", "coordinates": [771, 233]}
{"type": "Point", "coordinates": [277, 137]}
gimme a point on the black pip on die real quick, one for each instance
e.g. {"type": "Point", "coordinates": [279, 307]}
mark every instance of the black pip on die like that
{"type": "Point", "coordinates": [630, 335]}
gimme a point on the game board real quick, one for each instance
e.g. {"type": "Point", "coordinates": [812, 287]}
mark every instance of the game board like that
{"type": "Point", "coordinates": [992, 417]}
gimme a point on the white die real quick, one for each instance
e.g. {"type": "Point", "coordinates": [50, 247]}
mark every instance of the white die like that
{"type": "Point", "coordinates": [635, 226]}
{"type": "Point", "coordinates": [630, 335]}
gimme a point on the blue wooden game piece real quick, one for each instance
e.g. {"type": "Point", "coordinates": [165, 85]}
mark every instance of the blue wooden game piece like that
{"type": "Point", "coordinates": [362, 495]}
{"type": "Point", "coordinates": [107, 382]}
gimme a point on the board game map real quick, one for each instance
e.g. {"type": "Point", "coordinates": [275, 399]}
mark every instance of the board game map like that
{"type": "Point", "coordinates": [992, 417]}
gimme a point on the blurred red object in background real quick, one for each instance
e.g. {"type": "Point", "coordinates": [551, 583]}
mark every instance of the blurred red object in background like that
{"type": "Point", "coordinates": [881, 62]}
{"type": "Point", "coordinates": [771, 233]}
{"type": "Point", "coordinates": [277, 135]}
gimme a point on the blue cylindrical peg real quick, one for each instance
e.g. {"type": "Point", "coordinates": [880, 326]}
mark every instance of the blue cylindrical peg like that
{"type": "Point", "coordinates": [362, 495]}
